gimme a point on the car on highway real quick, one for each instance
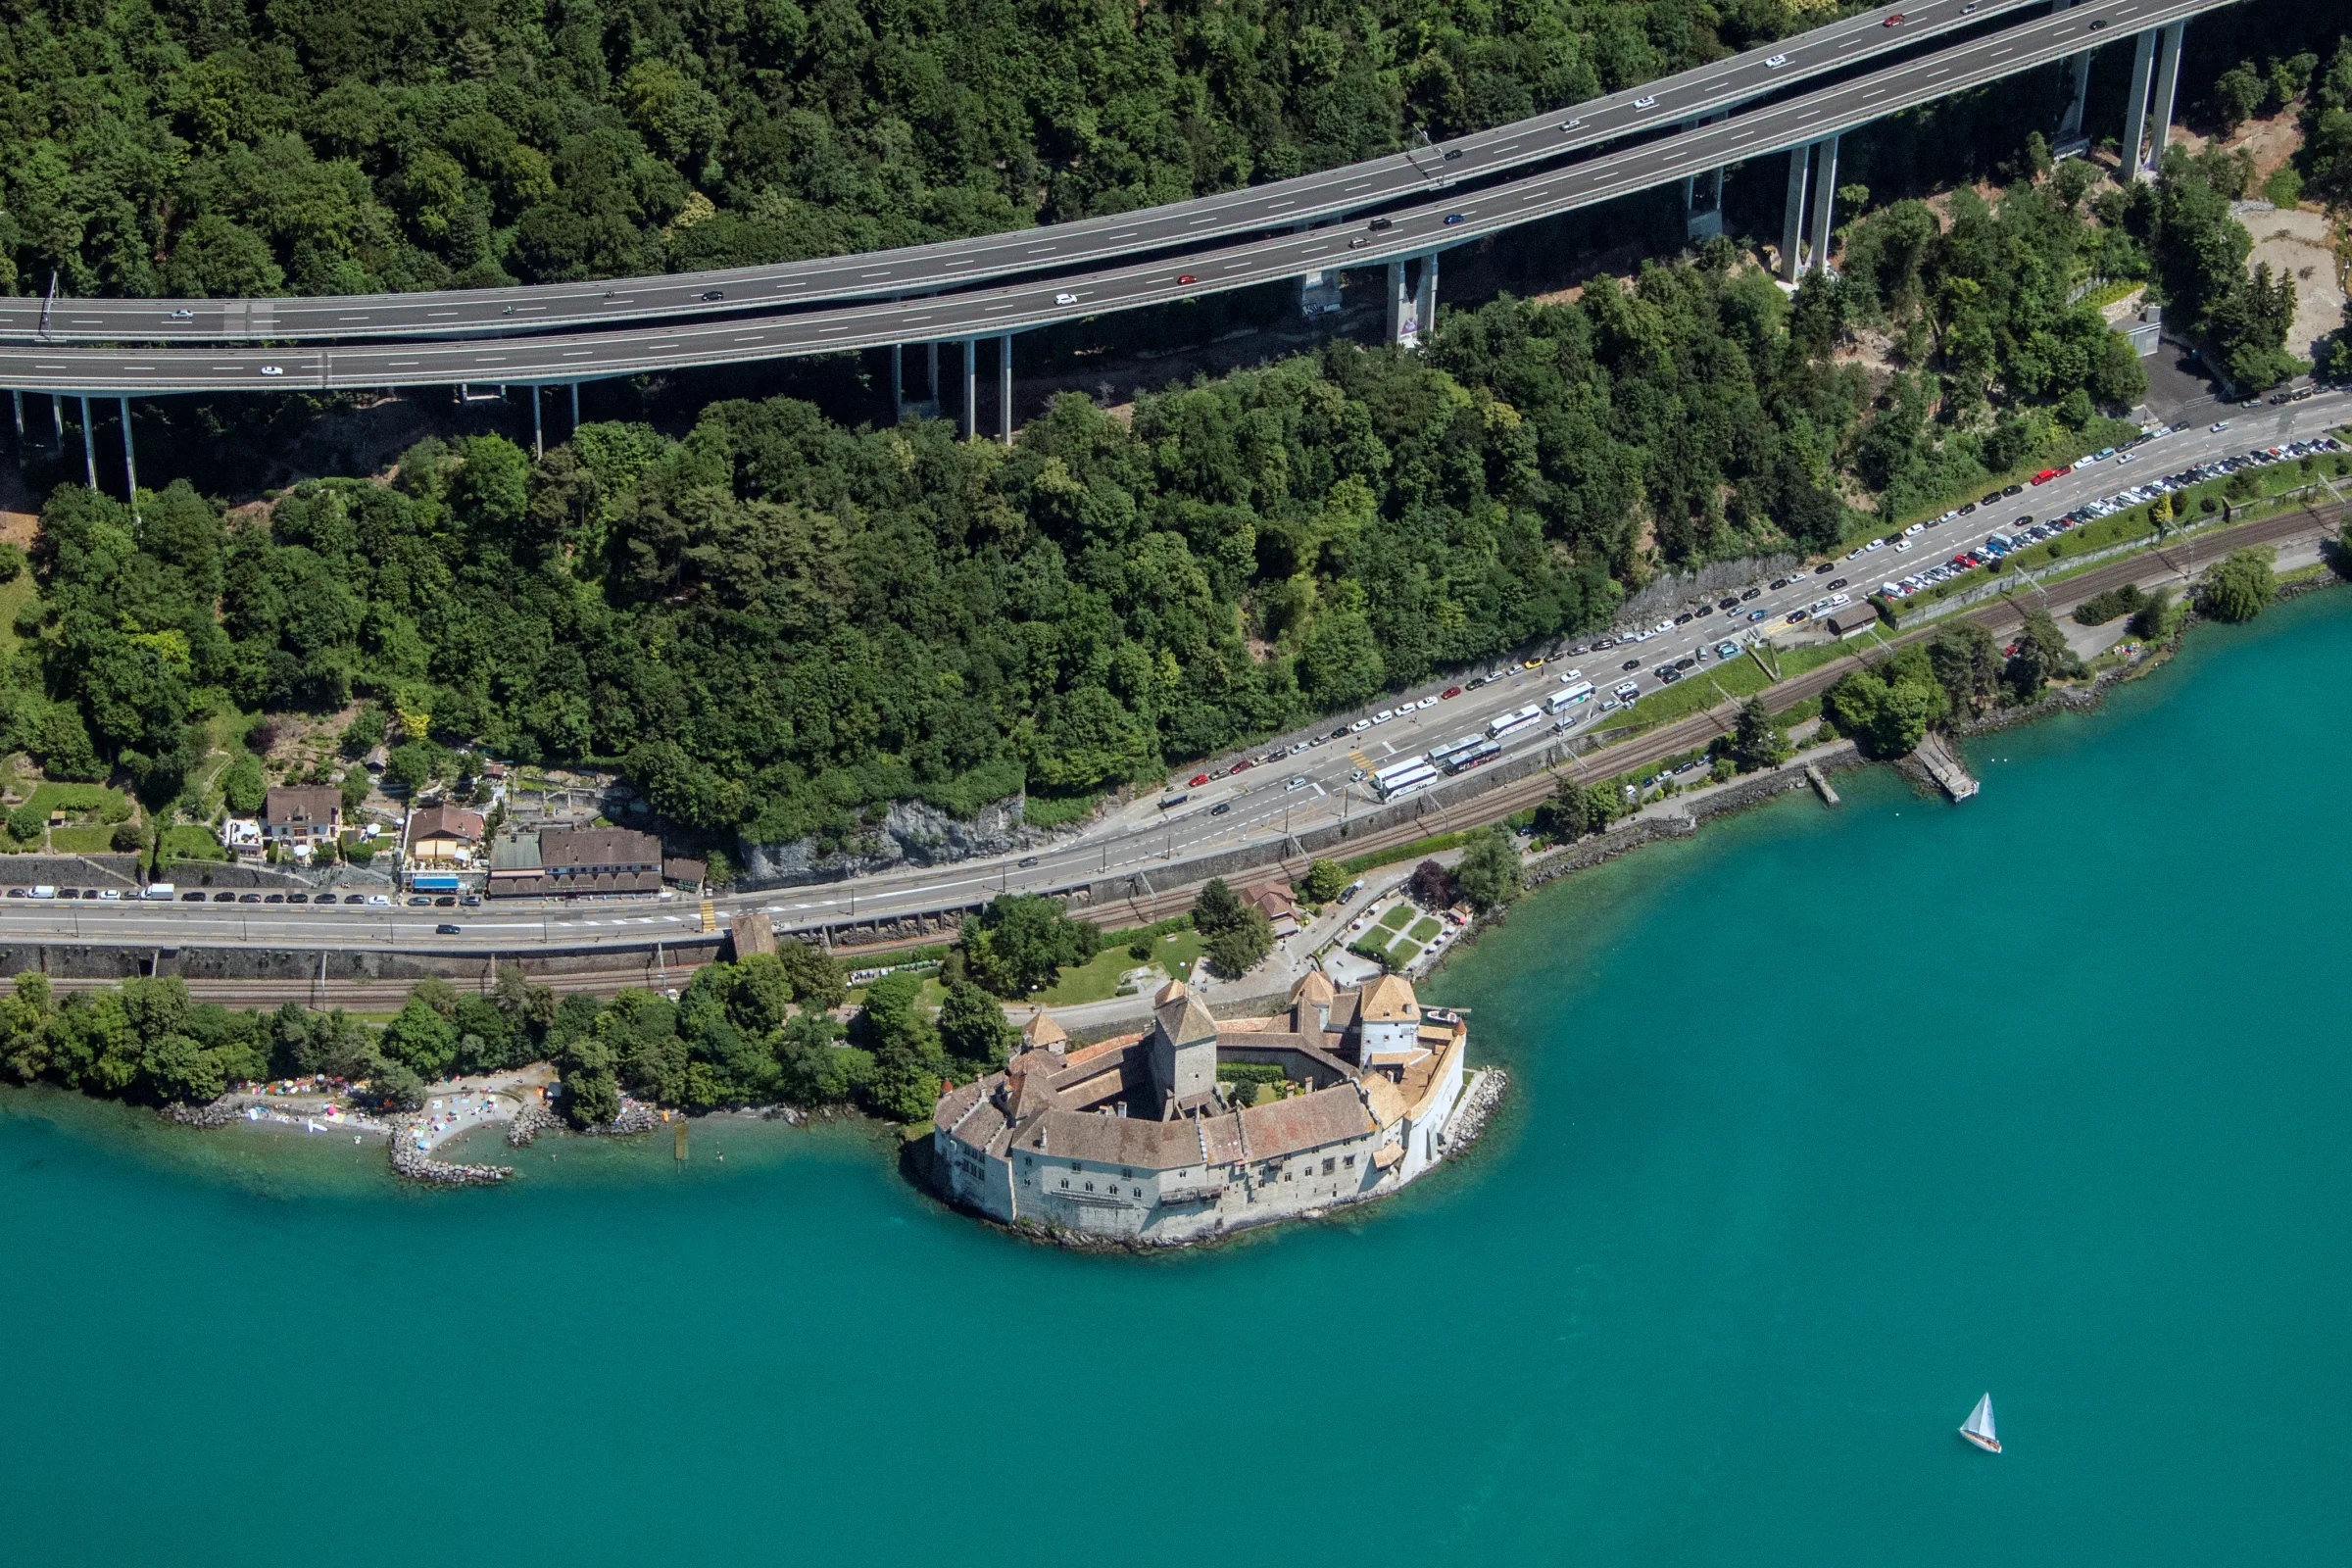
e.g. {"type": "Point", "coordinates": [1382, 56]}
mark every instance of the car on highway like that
{"type": "Point", "coordinates": [274, 370]}
{"type": "Point", "coordinates": [1631, 663]}
{"type": "Point", "coordinates": [1379, 224]}
{"type": "Point", "coordinates": [1359, 242]}
{"type": "Point", "coordinates": [1297, 783]}
{"type": "Point", "coordinates": [1836, 582]}
{"type": "Point", "coordinates": [444, 929]}
{"type": "Point", "coordinates": [1220, 808]}
{"type": "Point", "coordinates": [1825, 568]}
{"type": "Point", "coordinates": [1451, 153]}
{"type": "Point", "coordinates": [182, 314]}
{"type": "Point", "coordinates": [1779, 583]}
{"type": "Point", "coordinates": [1727, 601]}
{"type": "Point", "coordinates": [1186, 277]}
{"type": "Point", "coordinates": [1650, 102]}
{"type": "Point", "coordinates": [2215, 429]}
{"type": "Point", "coordinates": [1774, 62]}
{"type": "Point", "coordinates": [1758, 615]}
{"type": "Point", "coordinates": [1452, 219]}
{"type": "Point", "coordinates": [2096, 23]}
{"type": "Point", "coordinates": [1448, 693]}
{"type": "Point", "coordinates": [711, 296]}
{"type": "Point", "coordinates": [1896, 20]}
{"type": "Point", "coordinates": [1752, 593]}
{"type": "Point", "coordinates": [1065, 299]}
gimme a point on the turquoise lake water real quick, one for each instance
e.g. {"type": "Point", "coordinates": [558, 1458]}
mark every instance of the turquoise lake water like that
{"type": "Point", "coordinates": [1823, 1125]}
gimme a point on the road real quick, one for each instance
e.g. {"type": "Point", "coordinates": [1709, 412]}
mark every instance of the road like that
{"type": "Point", "coordinates": [1421, 228]}
{"type": "Point", "coordinates": [1261, 806]}
{"type": "Point", "coordinates": [959, 264]}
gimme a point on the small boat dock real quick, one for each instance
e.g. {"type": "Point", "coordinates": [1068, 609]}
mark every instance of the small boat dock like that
{"type": "Point", "coordinates": [1946, 770]}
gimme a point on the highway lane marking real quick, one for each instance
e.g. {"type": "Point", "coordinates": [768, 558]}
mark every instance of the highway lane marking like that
{"type": "Point", "coordinates": [1198, 221]}
{"type": "Point", "coordinates": [883, 272]}
{"type": "Point", "coordinates": [569, 353]}
{"type": "Point", "coordinates": [1361, 184]}
{"type": "Point", "coordinates": [753, 337]}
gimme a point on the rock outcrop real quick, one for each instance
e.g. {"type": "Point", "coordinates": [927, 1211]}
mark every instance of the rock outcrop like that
{"type": "Point", "coordinates": [911, 833]}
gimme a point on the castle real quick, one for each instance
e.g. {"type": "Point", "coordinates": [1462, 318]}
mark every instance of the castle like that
{"type": "Point", "coordinates": [1137, 1138]}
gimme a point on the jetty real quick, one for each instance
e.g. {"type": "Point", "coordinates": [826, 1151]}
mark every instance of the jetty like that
{"type": "Point", "coordinates": [1946, 770]}
{"type": "Point", "coordinates": [1821, 784]}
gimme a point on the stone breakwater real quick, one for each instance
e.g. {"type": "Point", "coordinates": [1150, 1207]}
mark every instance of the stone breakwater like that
{"type": "Point", "coordinates": [529, 1123]}
{"type": "Point", "coordinates": [412, 1163]}
{"type": "Point", "coordinates": [634, 1118]}
{"type": "Point", "coordinates": [1477, 1107]}
{"type": "Point", "coordinates": [218, 1113]}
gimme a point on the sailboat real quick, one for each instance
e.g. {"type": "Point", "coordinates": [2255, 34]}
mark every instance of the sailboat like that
{"type": "Point", "coordinates": [1978, 1428]}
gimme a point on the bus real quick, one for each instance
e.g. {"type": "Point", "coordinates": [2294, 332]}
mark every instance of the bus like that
{"type": "Point", "coordinates": [1478, 756]}
{"type": "Point", "coordinates": [1496, 729]}
{"type": "Point", "coordinates": [1561, 702]}
{"type": "Point", "coordinates": [1437, 757]}
{"type": "Point", "coordinates": [1398, 769]}
{"type": "Point", "coordinates": [1396, 784]}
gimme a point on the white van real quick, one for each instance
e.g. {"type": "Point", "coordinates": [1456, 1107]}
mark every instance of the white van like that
{"type": "Point", "coordinates": [159, 892]}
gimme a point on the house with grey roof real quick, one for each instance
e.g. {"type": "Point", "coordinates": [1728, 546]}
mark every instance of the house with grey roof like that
{"type": "Point", "coordinates": [1140, 1139]}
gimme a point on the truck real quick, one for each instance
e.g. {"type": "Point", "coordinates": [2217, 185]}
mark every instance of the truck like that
{"type": "Point", "coordinates": [159, 892]}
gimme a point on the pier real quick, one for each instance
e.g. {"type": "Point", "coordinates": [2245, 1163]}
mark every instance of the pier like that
{"type": "Point", "coordinates": [1946, 770]}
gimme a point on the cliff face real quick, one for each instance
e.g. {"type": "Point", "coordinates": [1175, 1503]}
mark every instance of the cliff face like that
{"type": "Point", "coordinates": [912, 833]}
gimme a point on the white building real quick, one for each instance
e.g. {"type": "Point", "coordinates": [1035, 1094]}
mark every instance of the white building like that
{"type": "Point", "coordinates": [1137, 1138]}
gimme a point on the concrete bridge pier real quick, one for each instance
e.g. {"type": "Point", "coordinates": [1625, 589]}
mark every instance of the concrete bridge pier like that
{"type": "Point", "coordinates": [2135, 107]}
{"type": "Point", "coordinates": [1825, 201]}
{"type": "Point", "coordinates": [89, 452]}
{"type": "Point", "coordinates": [1792, 216]}
{"type": "Point", "coordinates": [971, 388]}
{"type": "Point", "coordinates": [17, 400]}
{"type": "Point", "coordinates": [538, 422]}
{"type": "Point", "coordinates": [2069, 123]}
{"type": "Point", "coordinates": [575, 407]}
{"type": "Point", "coordinates": [1703, 194]}
{"type": "Point", "coordinates": [130, 464]}
{"type": "Point", "coordinates": [57, 417]}
{"type": "Point", "coordinates": [1425, 295]}
{"type": "Point", "coordinates": [1004, 388]}
{"type": "Point", "coordinates": [2168, 81]}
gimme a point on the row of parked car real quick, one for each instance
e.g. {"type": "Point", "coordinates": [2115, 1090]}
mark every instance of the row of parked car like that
{"type": "Point", "coordinates": [2027, 531]}
{"type": "Point", "coordinates": [166, 893]}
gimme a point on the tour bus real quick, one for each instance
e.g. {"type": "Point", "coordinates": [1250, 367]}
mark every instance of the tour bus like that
{"type": "Point", "coordinates": [1387, 776]}
{"type": "Point", "coordinates": [1437, 757]}
{"type": "Point", "coordinates": [1561, 702]}
{"type": "Point", "coordinates": [1395, 784]}
{"type": "Point", "coordinates": [1174, 801]}
{"type": "Point", "coordinates": [1496, 729]}
{"type": "Point", "coordinates": [1478, 756]}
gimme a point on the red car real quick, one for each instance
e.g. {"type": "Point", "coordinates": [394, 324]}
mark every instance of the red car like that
{"type": "Point", "coordinates": [1450, 691]}
{"type": "Point", "coordinates": [1241, 765]}
{"type": "Point", "coordinates": [1199, 779]}
{"type": "Point", "coordinates": [2047, 475]}
{"type": "Point", "coordinates": [1186, 277]}
{"type": "Point", "coordinates": [1896, 20]}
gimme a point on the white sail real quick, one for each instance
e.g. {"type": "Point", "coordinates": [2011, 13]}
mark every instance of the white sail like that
{"type": "Point", "coordinates": [1980, 1420]}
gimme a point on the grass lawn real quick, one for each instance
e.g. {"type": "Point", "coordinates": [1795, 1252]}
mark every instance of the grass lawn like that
{"type": "Point", "coordinates": [185, 841]}
{"type": "Point", "coordinates": [1402, 954]}
{"type": "Point", "coordinates": [1099, 979]}
{"type": "Point", "coordinates": [81, 840]}
{"type": "Point", "coordinates": [1396, 916]}
{"type": "Point", "coordinates": [1424, 929]}
{"type": "Point", "coordinates": [80, 798]}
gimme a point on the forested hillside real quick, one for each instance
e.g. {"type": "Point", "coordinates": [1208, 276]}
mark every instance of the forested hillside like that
{"type": "Point", "coordinates": [338, 146]}
{"type": "Point", "coordinates": [780, 624]}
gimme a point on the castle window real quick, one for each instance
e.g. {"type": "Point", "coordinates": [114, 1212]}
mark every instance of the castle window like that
{"type": "Point", "coordinates": [1066, 1182]}
{"type": "Point", "coordinates": [1329, 1165]}
{"type": "Point", "coordinates": [1352, 1162]}
{"type": "Point", "coordinates": [1089, 1187]}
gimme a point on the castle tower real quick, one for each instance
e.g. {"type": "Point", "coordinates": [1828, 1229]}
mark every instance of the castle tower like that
{"type": "Point", "coordinates": [1389, 1020]}
{"type": "Point", "coordinates": [1183, 1051]}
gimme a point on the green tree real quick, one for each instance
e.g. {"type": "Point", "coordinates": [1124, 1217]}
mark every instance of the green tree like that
{"type": "Point", "coordinates": [26, 823]}
{"type": "Point", "coordinates": [1019, 942]}
{"type": "Point", "coordinates": [974, 1031]}
{"type": "Point", "coordinates": [243, 784]}
{"type": "Point", "coordinates": [1217, 908]}
{"type": "Point", "coordinates": [2238, 588]}
{"type": "Point", "coordinates": [818, 979]}
{"type": "Point", "coordinates": [421, 1039]}
{"type": "Point", "coordinates": [1571, 811]}
{"type": "Point", "coordinates": [1757, 741]}
{"type": "Point", "coordinates": [1488, 873]}
{"type": "Point", "coordinates": [1325, 880]}
{"type": "Point", "coordinates": [1240, 944]}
